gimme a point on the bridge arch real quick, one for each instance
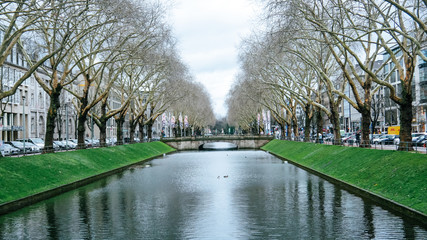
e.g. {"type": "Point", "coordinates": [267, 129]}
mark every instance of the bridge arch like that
{"type": "Point", "coordinates": [218, 146]}
{"type": "Point", "coordinates": [242, 142]}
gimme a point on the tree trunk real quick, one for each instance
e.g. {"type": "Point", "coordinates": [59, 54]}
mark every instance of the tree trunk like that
{"type": "Point", "coordinates": [102, 133]}
{"type": "Point", "coordinates": [141, 130]}
{"type": "Point", "coordinates": [307, 123]}
{"type": "Point", "coordinates": [120, 121]}
{"type": "Point", "coordinates": [335, 120]}
{"type": "Point", "coordinates": [81, 120]}
{"type": "Point", "coordinates": [366, 122]}
{"type": "Point", "coordinates": [405, 104]}
{"type": "Point", "coordinates": [50, 119]}
{"type": "Point", "coordinates": [150, 130]}
{"type": "Point", "coordinates": [319, 126]}
{"type": "Point", "coordinates": [288, 132]}
{"type": "Point", "coordinates": [295, 129]}
{"type": "Point", "coordinates": [102, 125]}
{"type": "Point", "coordinates": [132, 132]}
{"type": "Point", "coordinates": [282, 133]}
{"type": "Point", "coordinates": [132, 127]}
{"type": "Point", "coordinates": [405, 122]}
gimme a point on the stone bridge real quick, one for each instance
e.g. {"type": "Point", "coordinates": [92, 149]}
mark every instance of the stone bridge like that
{"type": "Point", "coordinates": [196, 143]}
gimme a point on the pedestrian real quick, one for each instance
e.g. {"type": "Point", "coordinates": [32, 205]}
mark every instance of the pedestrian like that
{"type": "Point", "coordinates": [358, 137]}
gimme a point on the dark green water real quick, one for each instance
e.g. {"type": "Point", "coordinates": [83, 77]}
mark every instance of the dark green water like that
{"type": "Point", "coordinates": [186, 196]}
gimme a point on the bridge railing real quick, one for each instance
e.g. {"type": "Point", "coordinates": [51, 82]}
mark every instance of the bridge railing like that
{"type": "Point", "coordinates": [218, 137]}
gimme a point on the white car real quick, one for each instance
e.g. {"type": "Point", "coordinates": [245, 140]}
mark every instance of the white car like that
{"type": "Point", "coordinates": [37, 141]}
{"type": "Point", "coordinates": [414, 136]}
{"type": "Point", "coordinates": [8, 150]}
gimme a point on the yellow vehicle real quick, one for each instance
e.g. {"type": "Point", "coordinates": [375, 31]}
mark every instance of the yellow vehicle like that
{"type": "Point", "coordinates": [395, 130]}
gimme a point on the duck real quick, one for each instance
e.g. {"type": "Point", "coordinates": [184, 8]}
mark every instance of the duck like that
{"type": "Point", "coordinates": [226, 176]}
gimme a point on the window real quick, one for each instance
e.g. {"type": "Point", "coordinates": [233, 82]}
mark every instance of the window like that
{"type": "Point", "coordinates": [10, 57]}
{"type": "Point", "coordinates": [21, 101]}
{"type": "Point", "coordinates": [424, 52]}
{"type": "Point", "coordinates": [40, 102]}
{"type": "Point", "coordinates": [32, 100]}
{"type": "Point", "coordinates": [423, 72]}
{"type": "Point", "coordinates": [33, 123]}
{"type": "Point", "coordinates": [423, 93]}
{"type": "Point", "coordinates": [6, 76]}
{"type": "Point", "coordinates": [41, 124]}
{"type": "Point", "coordinates": [399, 90]}
{"type": "Point", "coordinates": [47, 101]}
{"type": "Point", "coordinates": [11, 77]}
{"type": "Point", "coordinates": [423, 82]}
{"type": "Point", "coordinates": [16, 56]}
{"type": "Point", "coordinates": [393, 77]}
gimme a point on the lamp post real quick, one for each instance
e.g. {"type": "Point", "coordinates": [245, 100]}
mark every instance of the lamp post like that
{"type": "Point", "coordinates": [91, 117]}
{"type": "Point", "coordinates": [66, 124]}
{"type": "Point", "coordinates": [23, 121]}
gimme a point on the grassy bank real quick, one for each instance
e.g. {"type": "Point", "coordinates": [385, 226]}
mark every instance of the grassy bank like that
{"type": "Point", "coordinates": [398, 176]}
{"type": "Point", "coordinates": [25, 176]}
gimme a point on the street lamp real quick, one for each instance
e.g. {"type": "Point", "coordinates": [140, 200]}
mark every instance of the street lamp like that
{"type": "Point", "coordinates": [23, 120]}
{"type": "Point", "coordinates": [91, 117]}
{"type": "Point", "coordinates": [66, 124]}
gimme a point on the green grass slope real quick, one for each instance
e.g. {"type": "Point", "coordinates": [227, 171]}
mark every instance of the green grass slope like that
{"type": "Point", "coordinates": [398, 176]}
{"type": "Point", "coordinates": [25, 176]}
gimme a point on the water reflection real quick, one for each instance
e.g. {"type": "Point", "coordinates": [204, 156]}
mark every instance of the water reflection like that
{"type": "Point", "coordinates": [218, 146]}
{"type": "Point", "coordinates": [181, 197]}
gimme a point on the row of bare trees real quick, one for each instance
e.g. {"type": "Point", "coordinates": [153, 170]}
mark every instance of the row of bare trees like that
{"type": "Point", "coordinates": [315, 50]}
{"type": "Point", "coordinates": [117, 58]}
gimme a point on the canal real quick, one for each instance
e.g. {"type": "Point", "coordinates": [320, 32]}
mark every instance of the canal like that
{"type": "Point", "coordinates": [209, 195]}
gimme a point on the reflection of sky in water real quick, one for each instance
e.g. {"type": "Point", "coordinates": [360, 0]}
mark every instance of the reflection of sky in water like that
{"type": "Point", "coordinates": [219, 145]}
{"type": "Point", "coordinates": [188, 196]}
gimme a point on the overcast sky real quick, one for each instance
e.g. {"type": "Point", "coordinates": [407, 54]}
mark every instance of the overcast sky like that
{"type": "Point", "coordinates": [209, 34]}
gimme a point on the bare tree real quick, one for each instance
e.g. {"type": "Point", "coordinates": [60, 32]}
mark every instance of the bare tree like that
{"type": "Point", "coordinates": [57, 36]}
{"type": "Point", "coordinates": [18, 19]}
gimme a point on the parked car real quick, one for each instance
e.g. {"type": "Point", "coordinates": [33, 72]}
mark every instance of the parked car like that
{"type": "Point", "coordinates": [59, 145]}
{"type": "Point", "coordinates": [75, 142]}
{"type": "Point", "coordinates": [420, 141]}
{"type": "Point", "coordinates": [328, 137]}
{"type": "Point", "coordinates": [70, 144]}
{"type": "Point", "coordinates": [56, 146]}
{"type": "Point", "coordinates": [34, 148]}
{"type": "Point", "coordinates": [348, 137]}
{"type": "Point", "coordinates": [88, 142]}
{"type": "Point", "coordinates": [386, 139]}
{"type": "Point", "coordinates": [351, 139]}
{"type": "Point", "coordinates": [414, 136]}
{"type": "Point", "coordinates": [37, 141]}
{"type": "Point", "coordinates": [377, 138]}
{"type": "Point", "coordinates": [8, 150]}
{"type": "Point", "coordinates": [20, 146]}
{"type": "Point", "coordinates": [111, 141]}
{"type": "Point", "coordinates": [374, 136]}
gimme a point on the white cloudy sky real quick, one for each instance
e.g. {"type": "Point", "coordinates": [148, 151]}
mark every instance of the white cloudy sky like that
{"type": "Point", "coordinates": [208, 35]}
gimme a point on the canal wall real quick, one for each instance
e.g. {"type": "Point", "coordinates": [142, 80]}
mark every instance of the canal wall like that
{"type": "Point", "coordinates": [30, 179]}
{"type": "Point", "coordinates": [393, 179]}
